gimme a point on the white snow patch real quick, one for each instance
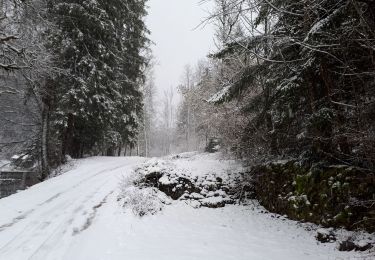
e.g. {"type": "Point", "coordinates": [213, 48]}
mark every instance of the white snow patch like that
{"type": "Point", "coordinates": [221, 95]}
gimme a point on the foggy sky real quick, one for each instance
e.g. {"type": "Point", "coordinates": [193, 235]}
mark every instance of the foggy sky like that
{"type": "Point", "coordinates": [172, 24]}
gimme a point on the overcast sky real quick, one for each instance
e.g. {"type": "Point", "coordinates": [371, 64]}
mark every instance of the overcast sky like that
{"type": "Point", "coordinates": [172, 24]}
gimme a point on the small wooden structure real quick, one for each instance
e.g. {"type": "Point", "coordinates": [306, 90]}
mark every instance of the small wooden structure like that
{"type": "Point", "coordinates": [12, 181]}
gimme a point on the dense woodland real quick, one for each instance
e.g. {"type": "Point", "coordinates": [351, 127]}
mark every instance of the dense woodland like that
{"type": "Point", "coordinates": [291, 92]}
{"type": "Point", "coordinates": [81, 67]}
{"type": "Point", "coordinates": [289, 79]}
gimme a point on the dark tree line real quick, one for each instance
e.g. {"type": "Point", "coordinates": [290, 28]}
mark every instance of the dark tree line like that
{"type": "Point", "coordinates": [83, 73]}
{"type": "Point", "coordinates": [306, 81]}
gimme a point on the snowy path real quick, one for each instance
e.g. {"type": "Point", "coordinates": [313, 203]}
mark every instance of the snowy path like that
{"type": "Point", "coordinates": [41, 222]}
{"type": "Point", "coordinates": [77, 216]}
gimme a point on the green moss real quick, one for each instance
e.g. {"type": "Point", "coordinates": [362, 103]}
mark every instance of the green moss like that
{"type": "Point", "coordinates": [342, 218]}
{"type": "Point", "coordinates": [319, 194]}
{"type": "Point", "coordinates": [301, 183]}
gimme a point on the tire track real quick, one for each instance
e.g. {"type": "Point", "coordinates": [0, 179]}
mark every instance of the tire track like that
{"type": "Point", "coordinates": [21, 237]}
{"type": "Point", "coordinates": [54, 197]}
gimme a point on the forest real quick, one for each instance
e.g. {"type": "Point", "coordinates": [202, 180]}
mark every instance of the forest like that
{"type": "Point", "coordinates": [289, 92]}
{"type": "Point", "coordinates": [289, 80]}
{"type": "Point", "coordinates": [74, 72]}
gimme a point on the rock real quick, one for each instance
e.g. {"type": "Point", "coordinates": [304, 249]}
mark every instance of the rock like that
{"type": "Point", "coordinates": [174, 190]}
{"type": "Point", "coordinates": [196, 196]}
{"type": "Point", "coordinates": [225, 188]}
{"type": "Point", "coordinates": [210, 194]}
{"type": "Point", "coordinates": [346, 246]}
{"type": "Point", "coordinates": [153, 178]}
{"type": "Point", "coordinates": [220, 193]}
{"type": "Point", "coordinates": [325, 236]}
{"type": "Point", "coordinates": [213, 202]}
{"type": "Point", "coordinates": [349, 245]}
{"type": "Point", "coordinates": [194, 203]}
{"type": "Point", "coordinates": [208, 190]}
{"type": "Point", "coordinates": [312, 188]}
{"type": "Point", "coordinates": [363, 246]}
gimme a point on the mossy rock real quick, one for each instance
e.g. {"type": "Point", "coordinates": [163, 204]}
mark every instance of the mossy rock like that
{"type": "Point", "coordinates": [336, 195]}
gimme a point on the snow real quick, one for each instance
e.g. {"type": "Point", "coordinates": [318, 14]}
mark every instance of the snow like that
{"type": "Point", "coordinates": [77, 215]}
{"type": "Point", "coordinates": [221, 95]}
{"type": "Point", "coordinates": [213, 200]}
{"type": "Point", "coordinates": [196, 196]}
{"type": "Point", "coordinates": [323, 231]}
{"type": "Point", "coordinates": [15, 157]}
{"type": "Point", "coordinates": [321, 23]}
{"type": "Point", "coordinates": [165, 180]}
{"type": "Point", "coordinates": [199, 165]}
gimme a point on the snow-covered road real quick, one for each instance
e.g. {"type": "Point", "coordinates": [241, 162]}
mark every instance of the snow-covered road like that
{"type": "Point", "coordinates": [77, 216]}
{"type": "Point", "coordinates": [43, 221]}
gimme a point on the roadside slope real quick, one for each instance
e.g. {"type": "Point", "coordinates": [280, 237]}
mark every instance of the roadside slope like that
{"type": "Point", "coordinates": [78, 216]}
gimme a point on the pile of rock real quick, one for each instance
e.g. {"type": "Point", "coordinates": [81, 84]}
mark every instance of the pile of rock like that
{"type": "Point", "coordinates": [325, 235]}
{"type": "Point", "coordinates": [348, 244]}
{"type": "Point", "coordinates": [209, 190]}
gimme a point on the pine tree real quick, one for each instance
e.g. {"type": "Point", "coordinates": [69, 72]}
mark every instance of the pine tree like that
{"type": "Point", "coordinates": [99, 45]}
{"type": "Point", "coordinates": [312, 74]}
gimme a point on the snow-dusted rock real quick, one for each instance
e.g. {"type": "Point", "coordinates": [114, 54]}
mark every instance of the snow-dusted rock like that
{"type": "Point", "coordinates": [215, 202]}
{"type": "Point", "coordinates": [350, 245]}
{"type": "Point", "coordinates": [325, 236]}
{"type": "Point", "coordinates": [179, 180]}
{"type": "Point", "coordinates": [194, 203]}
{"type": "Point", "coordinates": [196, 196]}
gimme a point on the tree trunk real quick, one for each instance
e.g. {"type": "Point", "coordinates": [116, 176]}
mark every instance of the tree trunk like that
{"type": "Point", "coordinates": [68, 136]}
{"type": "Point", "coordinates": [82, 149]}
{"type": "Point", "coordinates": [119, 150]}
{"type": "Point", "coordinates": [145, 136]}
{"type": "Point", "coordinates": [188, 127]}
{"type": "Point", "coordinates": [44, 141]}
{"type": "Point", "coordinates": [126, 149]}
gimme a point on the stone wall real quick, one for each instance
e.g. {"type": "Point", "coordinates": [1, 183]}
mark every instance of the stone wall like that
{"type": "Point", "coordinates": [335, 196]}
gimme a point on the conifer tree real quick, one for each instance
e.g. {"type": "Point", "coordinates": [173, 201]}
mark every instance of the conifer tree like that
{"type": "Point", "coordinates": [100, 47]}
{"type": "Point", "coordinates": [312, 75]}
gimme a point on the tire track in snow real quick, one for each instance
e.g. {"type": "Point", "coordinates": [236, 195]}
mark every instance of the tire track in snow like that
{"type": "Point", "coordinates": [54, 197]}
{"type": "Point", "coordinates": [92, 216]}
{"type": "Point", "coordinates": [54, 238]}
{"type": "Point", "coordinates": [21, 238]}
{"type": "Point", "coordinates": [34, 226]}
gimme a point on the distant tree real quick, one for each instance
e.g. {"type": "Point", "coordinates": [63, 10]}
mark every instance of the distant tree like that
{"type": "Point", "coordinates": [146, 138]}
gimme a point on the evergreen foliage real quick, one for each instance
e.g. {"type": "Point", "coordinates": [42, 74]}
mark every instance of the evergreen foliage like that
{"type": "Point", "coordinates": [99, 46]}
{"type": "Point", "coordinates": [311, 76]}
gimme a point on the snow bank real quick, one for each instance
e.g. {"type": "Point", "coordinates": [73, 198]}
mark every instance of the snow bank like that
{"type": "Point", "coordinates": [201, 178]}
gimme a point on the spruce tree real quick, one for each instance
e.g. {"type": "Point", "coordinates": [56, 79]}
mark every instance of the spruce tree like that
{"type": "Point", "coordinates": [99, 46]}
{"type": "Point", "coordinates": [313, 80]}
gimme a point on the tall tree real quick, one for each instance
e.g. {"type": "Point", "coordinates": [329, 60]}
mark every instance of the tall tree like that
{"type": "Point", "coordinates": [100, 46]}
{"type": "Point", "coordinates": [312, 71]}
{"type": "Point", "coordinates": [25, 64]}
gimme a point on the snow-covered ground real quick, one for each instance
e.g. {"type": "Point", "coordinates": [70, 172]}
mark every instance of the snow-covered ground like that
{"type": "Point", "coordinates": [77, 215]}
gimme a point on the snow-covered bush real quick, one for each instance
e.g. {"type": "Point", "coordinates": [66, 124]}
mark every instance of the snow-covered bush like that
{"type": "Point", "coordinates": [141, 200]}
